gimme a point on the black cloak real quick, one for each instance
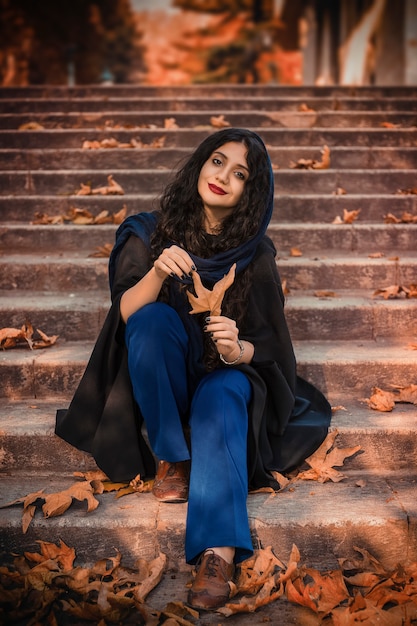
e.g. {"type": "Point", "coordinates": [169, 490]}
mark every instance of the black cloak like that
{"type": "Point", "coordinates": [288, 417]}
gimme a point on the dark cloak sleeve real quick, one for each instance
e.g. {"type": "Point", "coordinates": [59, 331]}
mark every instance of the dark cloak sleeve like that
{"type": "Point", "coordinates": [288, 418]}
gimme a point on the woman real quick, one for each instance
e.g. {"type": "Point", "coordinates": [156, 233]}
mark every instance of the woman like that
{"type": "Point", "coordinates": [218, 395]}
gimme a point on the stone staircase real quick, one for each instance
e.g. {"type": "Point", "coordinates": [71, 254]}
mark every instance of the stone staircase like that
{"type": "Point", "coordinates": [346, 344]}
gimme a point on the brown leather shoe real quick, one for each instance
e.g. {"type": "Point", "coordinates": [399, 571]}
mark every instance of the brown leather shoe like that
{"type": "Point", "coordinates": [171, 481]}
{"type": "Point", "coordinates": [210, 588]}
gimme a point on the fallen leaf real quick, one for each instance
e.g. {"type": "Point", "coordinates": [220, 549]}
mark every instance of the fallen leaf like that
{"type": "Point", "coordinates": [348, 217]}
{"type": "Point", "coordinates": [396, 291]}
{"type": "Point", "coordinates": [207, 300]}
{"type": "Point", "coordinates": [381, 400]}
{"type": "Point", "coordinates": [57, 503]}
{"type": "Point", "coordinates": [219, 121]}
{"type": "Point", "coordinates": [376, 255]}
{"type": "Point", "coordinates": [11, 337]}
{"type": "Point", "coordinates": [112, 188]}
{"type": "Point", "coordinates": [304, 108]}
{"type": "Point", "coordinates": [339, 192]}
{"type": "Point", "coordinates": [31, 126]}
{"type": "Point", "coordinates": [406, 218]}
{"type": "Point", "coordinates": [408, 191]}
{"type": "Point", "coordinates": [102, 251]}
{"type": "Point", "coordinates": [406, 394]}
{"type": "Point", "coordinates": [390, 125]}
{"type": "Point", "coordinates": [312, 164]}
{"type": "Point", "coordinates": [325, 294]}
{"type": "Point", "coordinates": [295, 252]}
{"type": "Point", "coordinates": [325, 459]}
{"type": "Point", "coordinates": [171, 123]}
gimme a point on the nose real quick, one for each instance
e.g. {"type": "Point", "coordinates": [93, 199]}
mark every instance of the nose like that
{"type": "Point", "coordinates": [223, 176]}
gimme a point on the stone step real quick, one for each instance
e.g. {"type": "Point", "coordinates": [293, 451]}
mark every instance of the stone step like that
{"type": "Point", "coordinates": [288, 208]}
{"type": "Point", "coordinates": [325, 521]}
{"type": "Point", "coordinates": [54, 272]}
{"type": "Point", "coordinates": [169, 158]}
{"type": "Point", "coordinates": [377, 93]}
{"type": "Point", "coordinates": [346, 369]}
{"type": "Point", "coordinates": [308, 237]}
{"type": "Point", "coordinates": [346, 315]}
{"type": "Point", "coordinates": [189, 138]}
{"type": "Point", "coordinates": [173, 104]}
{"type": "Point", "coordinates": [28, 441]}
{"type": "Point", "coordinates": [68, 182]}
{"type": "Point", "coordinates": [63, 273]}
{"type": "Point", "coordinates": [190, 119]}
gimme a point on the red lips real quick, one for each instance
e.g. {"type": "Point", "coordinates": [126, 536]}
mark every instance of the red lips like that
{"type": "Point", "coordinates": [216, 190]}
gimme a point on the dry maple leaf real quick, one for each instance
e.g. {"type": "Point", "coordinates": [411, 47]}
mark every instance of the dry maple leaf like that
{"type": "Point", "coordinates": [348, 217]}
{"type": "Point", "coordinates": [44, 218]}
{"type": "Point", "coordinates": [393, 291]}
{"type": "Point", "coordinates": [406, 394]}
{"type": "Point", "coordinates": [408, 191]}
{"type": "Point", "coordinates": [31, 126]}
{"type": "Point", "coordinates": [11, 337]}
{"type": "Point", "coordinates": [45, 341]}
{"type": "Point", "coordinates": [339, 192]}
{"type": "Point", "coordinates": [171, 123]}
{"type": "Point", "coordinates": [325, 294]}
{"type": "Point", "coordinates": [207, 300]}
{"type": "Point", "coordinates": [304, 108]}
{"type": "Point", "coordinates": [325, 459]}
{"type": "Point", "coordinates": [102, 251]}
{"type": "Point", "coordinates": [219, 121]}
{"type": "Point", "coordinates": [295, 252]}
{"type": "Point", "coordinates": [381, 400]}
{"type": "Point", "coordinates": [312, 164]}
{"type": "Point", "coordinates": [57, 503]}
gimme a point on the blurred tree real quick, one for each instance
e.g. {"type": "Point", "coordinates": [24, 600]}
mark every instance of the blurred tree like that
{"type": "Point", "coordinates": [82, 41]}
{"type": "Point", "coordinates": [260, 10]}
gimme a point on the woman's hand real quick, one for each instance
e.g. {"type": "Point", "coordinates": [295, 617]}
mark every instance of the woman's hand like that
{"type": "Point", "coordinates": [225, 334]}
{"type": "Point", "coordinates": [173, 261]}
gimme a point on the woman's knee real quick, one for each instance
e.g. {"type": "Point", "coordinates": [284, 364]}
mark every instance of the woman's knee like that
{"type": "Point", "coordinates": [152, 320]}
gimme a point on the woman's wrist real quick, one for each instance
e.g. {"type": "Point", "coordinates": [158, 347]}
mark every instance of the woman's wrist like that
{"type": "Point", "coordinates": [238, 358]}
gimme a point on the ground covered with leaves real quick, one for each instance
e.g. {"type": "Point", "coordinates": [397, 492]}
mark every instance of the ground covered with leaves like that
{"type": "Point", "coordinates": [48, 587]}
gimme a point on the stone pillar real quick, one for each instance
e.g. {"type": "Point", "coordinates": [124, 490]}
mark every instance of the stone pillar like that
{"type": "Point", "coordinates": [389, 62]}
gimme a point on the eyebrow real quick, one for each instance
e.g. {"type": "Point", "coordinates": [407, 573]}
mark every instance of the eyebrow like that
{"type": "Point", "coordinates": [244, 167]}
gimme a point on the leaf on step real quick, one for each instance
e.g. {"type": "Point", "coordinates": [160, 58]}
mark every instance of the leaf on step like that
{"type": "Point", "coordinates": [325, 294]}
{"type": "Point", "coordinates": [219, 121]}
{"type": "Point", "coordinates": [31, 126]}
{"type": "Point", "coordinates": [112, 188]}
{"type": "Point", "coordinates": [285, 288]}
{"type": "Point", "coordinates": [210, 300]}
{"type": "Point", "coordinates": [376, 255]}
{"type": "Point", "coordinates": [325, 459]}
{"type": "Point", "coordinates": [407, 191]}
{"type": "Point", "coordinates": [390, 125]}
{"type": "Point", "coordinates": [396, 291]}
{"type": "Point", "coordinates": [339, 192]}
{"type": "Point", "coordinates": [348, 217]}
{"type": "Point", "coordinates": [304, 108]}
{"type": "Point", "coordinates": [312, 164]}
{"type": "Point", "coordinates": [44, 218]}
{"type": "Point", "coordinates": [406, 218]}
{"type": "Point", "coordinates": [380, 400]}
{"type": "Point", "coordinates": [102, 251]}
{"type": "Point", "coordinates": [407, 394]}
{"type": "Point", "coordinates": [45, 341]}
{"type": "Point", "coordinates": [170, 123]}
{"type": "Point", "coordinates": [57, 503]}
{"type": "Point", "coordinates": [12, 337]}
{"type": "Point", "coordinates": [295, 252]}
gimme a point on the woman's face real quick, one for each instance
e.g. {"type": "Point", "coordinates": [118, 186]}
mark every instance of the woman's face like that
{"type": "Point", "coordinates": [222, 180]}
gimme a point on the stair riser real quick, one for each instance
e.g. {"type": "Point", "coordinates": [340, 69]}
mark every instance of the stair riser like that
{"type": "Point", "coordinates": [287, 182]}
{"type": "Point", "coordinates": [368, 322]}
{"type": "Point", "coordinates": [191, 119]}
{"type": "Point", "coordinates": [138, 158]}
{"type": "Point", "coordinates": [287, 208]}
{"type": "Point", "coordinates": [91, 275]}
{"type": "Point", "coordinates": [45, 452]}
{"type": "Point", "coordinates": [370, 276]}
{"type": "Point", "coordinates": [377, 93]}
{"type": "Point", "coordinates": [362, 239]}
{"type": "Point", "coordinates": [172, 105]}
{"type": "Point", "coordinates": [190, 138]}
{"type": "Point", "coordinates": [143, 529]}
{"type": "Point", "coordinates": [42, 378]}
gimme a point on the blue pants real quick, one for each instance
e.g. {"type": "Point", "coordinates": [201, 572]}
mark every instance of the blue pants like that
{"type": "Point", "coordinates": [217, 415]}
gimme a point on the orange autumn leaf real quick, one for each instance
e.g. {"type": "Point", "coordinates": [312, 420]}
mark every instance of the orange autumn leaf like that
{"type": "Point", "coordinates": [395, 291]}
{"type": "Point", "coordinates": [112, 188]}
{"type": "Point", "coordinates": [312, 164]}
{"type": "Point", "coordinates": [207, 300]}
{"type": "Point", "coordinates": [295, 252]}
{"type": "Point", "coordinates": [171, 123]}
{"type": "Point", "coordinates": [348, 217]}
{"type": "Point", "coordinates": [381, 400]}
{"type": "Point", "coordinates": [325, 294]}
{"type": "Point", "coordinates": [57, 503]}
{"type": "Point", "coordinates": [219, 121]}
{"type": "Point", "coordinates": [323, 461]}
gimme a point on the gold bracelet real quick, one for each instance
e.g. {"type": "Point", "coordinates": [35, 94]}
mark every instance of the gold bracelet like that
{"type": "Point", "coordinates": [242, 350]}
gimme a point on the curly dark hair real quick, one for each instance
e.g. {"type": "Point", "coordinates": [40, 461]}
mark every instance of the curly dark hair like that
{"type": "Point", "coordinates": [182, 211]}
{"type": "Point", "coordinates": [182, 216]}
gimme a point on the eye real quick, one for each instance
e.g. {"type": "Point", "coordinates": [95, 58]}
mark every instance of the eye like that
{"type": "Point", "coordinates": [216, 161]}
{"type": "Point", "coordinates": [240, 175]}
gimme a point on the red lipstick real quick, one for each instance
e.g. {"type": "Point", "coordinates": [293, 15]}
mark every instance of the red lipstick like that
{"type": "Point", "coordinates": [216, 190]}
